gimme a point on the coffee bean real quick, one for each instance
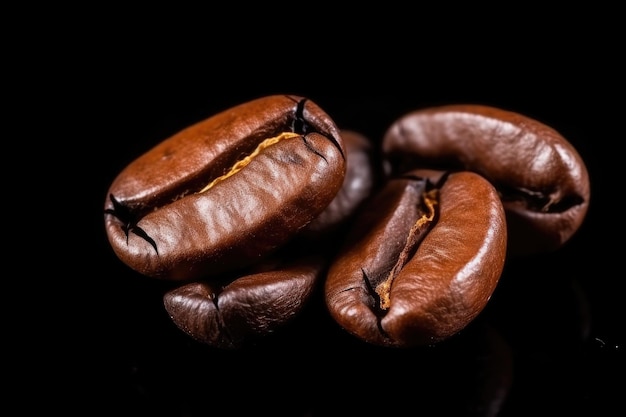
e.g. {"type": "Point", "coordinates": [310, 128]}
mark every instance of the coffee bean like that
{"type": "Point", "coordinates": [421, 261]}
{"type": "Point", "coordinates": [364, 173]}
{"type": "Point", "coordinates": [232, 314]}
{"type": "Point", "coordinates": [227, 191]}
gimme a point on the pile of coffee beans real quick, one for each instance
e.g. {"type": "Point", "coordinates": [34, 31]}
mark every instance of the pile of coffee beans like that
{"type": "Point", "coordinates": [254, 210]}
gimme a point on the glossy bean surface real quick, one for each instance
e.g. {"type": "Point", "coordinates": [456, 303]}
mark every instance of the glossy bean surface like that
{"type": "Point", "coordinates": [227, 191]}
{"type": "Point", "coordinates": [421, 261]}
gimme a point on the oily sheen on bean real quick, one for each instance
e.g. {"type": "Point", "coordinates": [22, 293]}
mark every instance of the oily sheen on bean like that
{"type": "Point", "coordinates": [226, 191]}
{"type": "Point", "coordinates": [542, 180]}
{"type": "Point", "coordinates": [421, 261]}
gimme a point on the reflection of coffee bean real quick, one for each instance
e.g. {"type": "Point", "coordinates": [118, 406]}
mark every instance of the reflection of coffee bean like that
{"type": "Point", "coordinates": [469, 375]}
{"type": "Point", "coordinates": [422, 261]}
{"type": "Point", "coordinates": [226, 191]}
{"type": "Point", "coordinates": [541, 178]}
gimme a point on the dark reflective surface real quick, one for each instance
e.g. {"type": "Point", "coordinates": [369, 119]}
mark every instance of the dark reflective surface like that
{"type": "Point", "coordinates": [540, 345]}
{"type": "Point", "coordinates": [549, 341]}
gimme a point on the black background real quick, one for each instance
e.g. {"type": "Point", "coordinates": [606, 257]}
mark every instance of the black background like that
{"type": "Point", "coordinates": [550, 339]}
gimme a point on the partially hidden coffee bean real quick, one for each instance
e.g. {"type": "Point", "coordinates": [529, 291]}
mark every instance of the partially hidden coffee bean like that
{"type": "Point", "coordinates": [227, 191]}
{"type": "Point", "coordinates": [232, 314]}
{"type": "Point", "coordinates": [364, 173]}
{"type": "Point", "coordinates": [541, 178]}
{"type": "Point", "coordinates": [421, 261]}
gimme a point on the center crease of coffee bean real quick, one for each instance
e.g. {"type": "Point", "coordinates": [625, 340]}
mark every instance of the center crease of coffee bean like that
{"type": "Point", "coordinates": [415, 236]}
{"type": "Point", "coordinates": [239, 165]}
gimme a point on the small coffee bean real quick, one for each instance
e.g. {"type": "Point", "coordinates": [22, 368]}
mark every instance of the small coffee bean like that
{"type": "Point", "coordinates": [421, 261]}
{"type": "Point", "coordinates": [232, 314]}
{"type": "Point", "coordinates": [541, 178]}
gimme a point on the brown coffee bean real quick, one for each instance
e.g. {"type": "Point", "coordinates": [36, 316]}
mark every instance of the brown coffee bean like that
{"type": "Point", "coordinates": [421, 261]}
{"type": "Point", "coordinates": [363, 174]}
{"type": "Point", "coordinates": [232, 314]}
{"type": "Point", "coordinates": [227, 191]}
{"type": "Point", "coordinates": [541, 178]}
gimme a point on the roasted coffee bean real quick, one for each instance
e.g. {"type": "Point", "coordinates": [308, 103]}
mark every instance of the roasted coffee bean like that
{"type": "Point", "coordinates": [364, 172]}
{"type": "Point", "coordinates": [541, 178]}
{"type": "Point", "coordinates": [227, 191]}
{"type": "Point", "coordinates": [422, 260]}
{"type": "Point", "coordinates": [232, 314]}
